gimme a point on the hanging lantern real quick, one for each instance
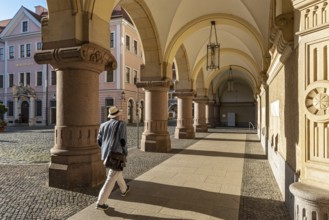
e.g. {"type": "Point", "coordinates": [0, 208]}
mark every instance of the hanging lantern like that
{"type": "Point", "coordinates": [230, 81]}
{"type": "Point", "coordinates": [213, 49]}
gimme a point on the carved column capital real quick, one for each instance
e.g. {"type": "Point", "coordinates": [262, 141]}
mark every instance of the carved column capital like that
{"type": "Point", "coordinates": [263, 77]}
{"type": "Point", "coordinates": [201, 99]}
{"type": "Point", "coordinates": [184, 93]}
{"type": "Point", "coordinates": [96, 57]}
{"type": "Point", "coordinates": [154, 84]}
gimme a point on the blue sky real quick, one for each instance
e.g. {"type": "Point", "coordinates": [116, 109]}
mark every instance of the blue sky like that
{"type": "Point", "coordinates": [10, 7]}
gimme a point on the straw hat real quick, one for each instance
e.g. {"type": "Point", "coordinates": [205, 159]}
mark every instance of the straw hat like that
{"type": "Point", "coordinates": [113, 112]}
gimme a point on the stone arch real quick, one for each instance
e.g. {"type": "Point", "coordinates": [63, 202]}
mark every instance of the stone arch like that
{"type": "Point", "coordinates": [199, 85]}
{"type": "Point", "coordinates": [130, 110]}
{"type": "Point", "coordinates": [221, 78]}
{"type": "Point", "coordinates": [143, 21]}
{"type": "Point", "coordinates": [203, 22]}
{"type": "Point", "coordinates": [183, 71]}
{"type": "Point", "coordinates": [250, 68]}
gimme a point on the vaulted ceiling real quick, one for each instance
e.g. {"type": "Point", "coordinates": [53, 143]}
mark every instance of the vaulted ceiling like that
{"type": "Point", "coordinates": [243, 29]}
{"type": "Point", "coordinates": [177, 31]}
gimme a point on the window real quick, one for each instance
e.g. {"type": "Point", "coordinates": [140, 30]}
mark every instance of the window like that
{"type": "Point", "coordinates": [112, 40]}
{"type": "Point", "coordinates": [39, 46]}
{"type": "Point", "coordinates": [21, 78]}
{"type": "Point", "coordinates": [53, 77]}
{"type": "Point", "coordinates": [24, 26]}
{"type": "Point", "coordinates": [135, 76]}
{"type": "Point", "coordinates": [28, 77]}
{"type": "Point", "coordinates": [11, 52]}
{"type": "Point", "coordinates": [39, 78]}
{"type": "Point", "coordinates": [52, 103]}
{"type": "Point", "coordinates": [38, 109]}
{"type": "Point", "coordinates": [11, 80]}
{"type": "Point", "coordinates": [22, 51]}
{"type": "Point", "coordinates": [10, 106]}
{"type": "Point", "coordinates": [109, 76]}
{"type": "Point", "coordinates": [28, 50]}
{"type": "Point", "coordinates": [127, 75]}
{"type": "Point", "coordinates": [127, 42]}
{"type": "Point", "coordinates": [109, 102]}
{"type": "Point", "coordinates": [1, 81]}
{"type": "Point", "coordinates": [2, 53]}
{"type": "Point", "coordinates": [135, 47]}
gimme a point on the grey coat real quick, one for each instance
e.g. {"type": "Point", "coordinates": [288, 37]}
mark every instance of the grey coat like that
{"type": "Point", "coordinates": [106, 137]}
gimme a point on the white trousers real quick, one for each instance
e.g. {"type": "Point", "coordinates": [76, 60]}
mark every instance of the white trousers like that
{"type": "Point", "coordinates": [112, 177]}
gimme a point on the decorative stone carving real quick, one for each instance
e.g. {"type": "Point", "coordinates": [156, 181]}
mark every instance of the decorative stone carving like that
{"type": "Point", "coordinates": [317, 101]}
{"type": "Point", "coordinates": [310, 201]}
{"type": "Point", "coordinates": [23, 90]}
{"type": "Point", "coordinates": [87, 53]}
{"type": "Point", "coordinates": [313, 15]}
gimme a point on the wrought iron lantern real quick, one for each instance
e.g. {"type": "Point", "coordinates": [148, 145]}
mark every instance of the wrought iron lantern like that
{"type": "Point", "coordinates": [213, 49]}
{"type": "Point", "coordinates": [230, 81]}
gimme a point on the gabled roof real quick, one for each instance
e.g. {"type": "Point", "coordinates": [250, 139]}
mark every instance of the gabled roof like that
{"type": "Point", "coordinates": [12, 23]}
{"type": "Point", "coordinates": [3, 24]}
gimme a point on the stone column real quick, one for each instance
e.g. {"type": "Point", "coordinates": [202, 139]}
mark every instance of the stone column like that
{"type": "Point", "coordinates": [75, 157]}
{"type": "Point", "coordinates": [200, 114]}
{"type": "Point", "coordinates": [155, 137]}
{"type": "Point", "coordinates": [216, 114]}
{"type": "Point", "coordinates": [16, 108]}
{"type": "Point", "coordinates": [184, 128]}
{"type": "Point", "coordinates": [210, 114]}
{"type": "Point", "coordinates": [32, 112]}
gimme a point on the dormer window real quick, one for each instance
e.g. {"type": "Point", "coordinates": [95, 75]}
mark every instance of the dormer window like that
{"type": "Point", "coordinates": [25, 26]}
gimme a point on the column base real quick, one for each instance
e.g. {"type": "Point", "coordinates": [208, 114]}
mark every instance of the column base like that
{"type": "Point", "coordinates": [211, 125]}
{"type": "Point", "coordinates": [184, 133]}
{"type": "Point", "coordinates": [310, 201]}
{"type": "Point", "coordinates": [201, 128]}
{"type": "Point", "coordinates": [69, 172]}
{"type": "Point", "coordinates": [156, 143]}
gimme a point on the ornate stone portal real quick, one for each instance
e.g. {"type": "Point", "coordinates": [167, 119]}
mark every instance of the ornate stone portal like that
{"type": "Point", "coordinates": [75, 157]}
{"type": "Point", "coordinates": [24, 104]}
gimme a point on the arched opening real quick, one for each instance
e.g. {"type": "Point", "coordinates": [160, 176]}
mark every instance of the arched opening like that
{"type": "Point", "coordinates": [130, 111]}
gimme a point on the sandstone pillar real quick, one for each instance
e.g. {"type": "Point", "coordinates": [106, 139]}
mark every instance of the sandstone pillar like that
{"type": "Point", "coordinates": [16, 107]}
{"type": "Point", "coordinates": [200, 114]}
{"type": "Point", "coordinates": [184, 128]}
{"type": "Point", "coordinates": [155, 137]}
{"type": "Point", "coordinates": [210, 114]}
{"type": "Point", "coordinates": [216, 114]}
{"type": "Point", "coordinates": [75, 157]}
{"type": "Point", "coordinates": [32, 112]}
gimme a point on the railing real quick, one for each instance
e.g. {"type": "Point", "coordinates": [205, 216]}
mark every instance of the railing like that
{"type": "Point", "coordinates": [251, 125]}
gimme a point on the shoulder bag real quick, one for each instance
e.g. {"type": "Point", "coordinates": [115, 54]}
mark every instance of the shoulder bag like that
{"type": "Point", "coordinates": [115, 160]}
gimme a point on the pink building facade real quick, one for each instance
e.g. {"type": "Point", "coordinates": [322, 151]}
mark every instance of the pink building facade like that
{"type": "Point", "coordinates": [29, 89]}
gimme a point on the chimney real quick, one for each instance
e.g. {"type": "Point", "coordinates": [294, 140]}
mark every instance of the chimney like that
{"type": "Point", "coordinates": [39, 9]}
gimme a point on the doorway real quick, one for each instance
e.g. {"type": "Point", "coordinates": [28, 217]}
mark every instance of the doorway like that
{"type": "Point", "coordinates": [24, 116]}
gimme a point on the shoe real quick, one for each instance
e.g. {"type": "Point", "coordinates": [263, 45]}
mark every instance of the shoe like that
{"type": "Point", "coordinates": [127, 190]}
{"type": "Point", "coordinates": [102, 207]}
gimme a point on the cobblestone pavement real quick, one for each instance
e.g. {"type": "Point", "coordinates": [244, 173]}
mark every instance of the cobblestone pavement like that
{"type": "Point", "coordinates": [260, 195]}
{"type": "Point", "coordinates": [24, 191]}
